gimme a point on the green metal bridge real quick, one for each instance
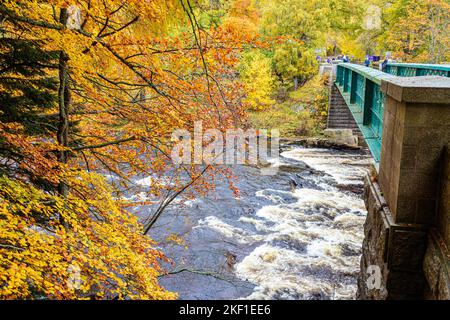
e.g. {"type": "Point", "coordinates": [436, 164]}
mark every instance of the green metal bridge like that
{"type": "Point", "coordinates": [360, 88]}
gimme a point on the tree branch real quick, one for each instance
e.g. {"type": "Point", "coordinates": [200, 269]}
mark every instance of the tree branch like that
{"type": "Point", "coordinates": [61, 27]}
{"type": "Point", "coordinates": [203, 273]}
{"type": "Point", "coordinates": [105, 144]}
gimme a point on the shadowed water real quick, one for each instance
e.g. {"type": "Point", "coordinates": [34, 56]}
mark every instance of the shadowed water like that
{"type": "Point", "coordinates": [294, 235]}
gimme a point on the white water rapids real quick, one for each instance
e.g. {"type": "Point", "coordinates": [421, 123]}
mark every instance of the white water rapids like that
{"type": "Point", "coordinates": [327, 221]}
{"type": "Point", "coordinates": [295, 235]}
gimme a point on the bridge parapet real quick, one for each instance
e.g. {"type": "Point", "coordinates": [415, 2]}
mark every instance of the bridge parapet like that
{"type": "Point", "coordinates": [360, 87]}
{"type": "Point", "coordinates": [417, 69]}
{"type": "Point", "coordinates": [404, 210]}
{"type": "Point", "coordinates": [416, 128]}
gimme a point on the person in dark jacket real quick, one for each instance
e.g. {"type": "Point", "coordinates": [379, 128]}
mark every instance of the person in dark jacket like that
{"type": "Point", "coordinates": [384, 64]}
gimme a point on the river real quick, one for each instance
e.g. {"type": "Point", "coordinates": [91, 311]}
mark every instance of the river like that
{"type": "Point", "coordinates": [293, 235]}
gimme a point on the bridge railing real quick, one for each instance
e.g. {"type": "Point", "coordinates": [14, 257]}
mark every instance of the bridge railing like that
{"type": "Point", "coordinates": [416, 69]}
{"type": "Point", "coordinates": [360, 88]}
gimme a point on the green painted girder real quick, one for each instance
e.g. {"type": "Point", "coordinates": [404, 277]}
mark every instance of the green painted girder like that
{"type": "Point", "coordinates": [417, 69]}
{"type": "Point", "coordinates": [369, 73]}
{"type": "Point", "coordinates": [360, 88]}
{"type": "Point", "coordinates": [443, 67]}
{"type": "Point", "coordinates": [372, 139]}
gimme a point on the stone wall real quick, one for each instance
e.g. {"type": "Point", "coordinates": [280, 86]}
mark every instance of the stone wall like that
{"type": "Point", "coordinates": [422, 273]}
{"type": "Point", "coordinates": [376, 230]}
{"type": "Point", "coordinates": [443, 219]}
{"type": "Point", "coordinates": [394, 251]}
{"type": "Point", "coordinates": [436, 264]}
{"type": "Point", "coordinates": [407, 226]}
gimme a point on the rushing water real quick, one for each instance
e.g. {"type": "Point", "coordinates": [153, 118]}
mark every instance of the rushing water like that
{"type": "Point", "coordinates": [293, 235]}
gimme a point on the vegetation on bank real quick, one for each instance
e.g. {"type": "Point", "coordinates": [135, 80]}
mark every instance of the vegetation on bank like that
{"type": "Point", "coordinates": [301, 113]}
{"type": "Point", "coordinates": [289, 94]}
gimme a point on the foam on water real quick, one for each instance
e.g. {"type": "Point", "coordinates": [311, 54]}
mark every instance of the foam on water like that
{"type": "Point", "coordinates": [280, 274]}
{"type": "Point", "coordinates": [345, 169]}
{"type": "Point", "coordinates": [238, 234]}
{"type": "Point", "coordinates": [286, 273]}
{"type": "Point", "coordinates": [309, 239]}
{"type": "Point", "coordinates": [296, 234]}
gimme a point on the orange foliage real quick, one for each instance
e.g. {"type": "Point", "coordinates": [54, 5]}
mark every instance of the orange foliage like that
{"type": "Point", "coordinates": [136, 73]}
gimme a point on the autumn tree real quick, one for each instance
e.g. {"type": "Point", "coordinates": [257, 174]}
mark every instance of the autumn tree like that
{"type": "Point", "coordinates": [309, 26]}
{"type": "Point", "coordinates": [292, 61]}
{"type": "Point", "coordinates": [256, 74]}
{"type": "Point", "coordinates": [417, 30]}
{"type": "Point", "coordinates": [127, 74]}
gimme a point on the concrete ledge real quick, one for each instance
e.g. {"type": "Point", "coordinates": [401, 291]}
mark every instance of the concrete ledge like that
{"type": "Point", "coordinates": [424, 89]}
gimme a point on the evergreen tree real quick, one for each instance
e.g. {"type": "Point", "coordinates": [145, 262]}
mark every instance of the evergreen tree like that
{"type": "Point", "coordinates": [28, 95]}
{"type": "Point", "coordinates": [27, 89]}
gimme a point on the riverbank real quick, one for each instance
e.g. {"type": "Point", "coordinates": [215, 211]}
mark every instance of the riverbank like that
{"type": "Point", "coordinates": [296, 114]}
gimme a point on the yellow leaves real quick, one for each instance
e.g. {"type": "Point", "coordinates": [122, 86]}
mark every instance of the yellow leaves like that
{"type": "Point", "coordinates": [111, 99]}
{"type": "Point", "coordinates": [259, 82]}
{"type": "Point", "coordinates": [40, 259]}
{"type": "Point", "coordinates": [351, 47]}
{"type": "Point", "coordinates": [176, 239]}
{"type": "Point", "coordinates": [417, 31]}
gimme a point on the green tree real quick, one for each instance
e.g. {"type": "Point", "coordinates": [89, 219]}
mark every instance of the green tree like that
{"type": "Point", "coordinates": [27, 89]}
{"type": "Point", "coordinates": [28, 96]}
{"type": "Point", "coordinates": [306, 21]}
{"type": "Point", "coordinates": [311, 25]}
{"type": "Point", "coordinates": [293, 61]}
{"type": "Point", "coordinates": [417, 30]}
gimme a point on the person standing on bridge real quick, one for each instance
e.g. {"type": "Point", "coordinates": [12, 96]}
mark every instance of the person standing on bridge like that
{"type": "Point", "coordinates": [383, 65]}
{"type": "Point", "coordinates": [367, 62]}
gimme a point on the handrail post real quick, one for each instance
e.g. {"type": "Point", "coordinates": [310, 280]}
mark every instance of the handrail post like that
{"type": "Point", "coordinates": [353, 87]}
{"type": "Point", "coordinates": [346, 76]}
{"type": "Point", "coordinates": [367, 101]}
{"type": "Point", "coordinates": [339, 75]}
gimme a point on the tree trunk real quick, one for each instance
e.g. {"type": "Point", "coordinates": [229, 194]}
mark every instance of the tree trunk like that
{"type": "Point", "coordinates": [63, 104]}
